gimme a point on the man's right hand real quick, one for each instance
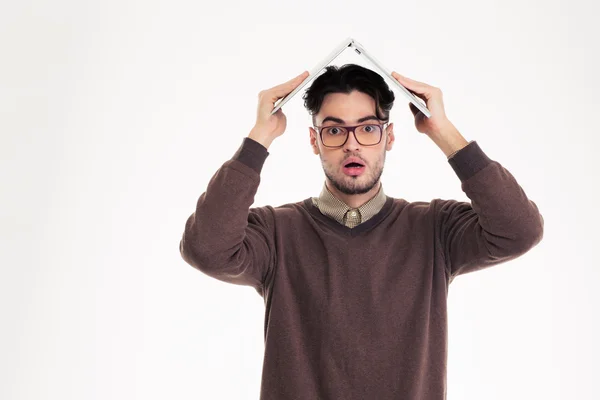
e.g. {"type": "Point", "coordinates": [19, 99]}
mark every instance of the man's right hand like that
{"type": "Point", "coordinates": [268, 126]}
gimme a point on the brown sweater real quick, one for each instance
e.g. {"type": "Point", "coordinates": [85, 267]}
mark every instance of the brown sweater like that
{"type": "Point", "coordinates": [356, 313]}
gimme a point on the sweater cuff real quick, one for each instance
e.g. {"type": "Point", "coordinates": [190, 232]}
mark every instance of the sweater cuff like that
{"type": "Point", "coordinates": [468, 161]}
{"type": "Point", "coordinates": [252, 154]}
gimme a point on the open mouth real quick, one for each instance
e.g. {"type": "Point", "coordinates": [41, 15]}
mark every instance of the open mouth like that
{"type": "Point", "coordinates": [354, 167]}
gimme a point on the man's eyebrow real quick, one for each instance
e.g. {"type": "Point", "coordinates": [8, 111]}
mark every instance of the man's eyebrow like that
{"type": "Point", "coordinates": [341, 121]}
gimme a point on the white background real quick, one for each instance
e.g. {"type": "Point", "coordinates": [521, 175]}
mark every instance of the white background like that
{"type": "Point", "coordinates": [114, 116]}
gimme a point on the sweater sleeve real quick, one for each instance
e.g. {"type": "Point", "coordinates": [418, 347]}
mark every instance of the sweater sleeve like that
{"type": "Point", "coordinates": [499, 224]}
{"type": "Point", "coordinates": [225, 238]}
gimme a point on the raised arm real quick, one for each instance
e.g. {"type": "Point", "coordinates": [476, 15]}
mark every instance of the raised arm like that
{"type": "Point", "coordinates": [499, 224]}
{"type": "Point", "coordinates": [224, 237]}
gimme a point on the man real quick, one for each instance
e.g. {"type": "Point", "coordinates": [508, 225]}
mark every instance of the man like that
{"type": "Point", "coordinates": [355, 282]}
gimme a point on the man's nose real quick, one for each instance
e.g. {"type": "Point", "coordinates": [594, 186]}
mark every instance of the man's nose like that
{"type": "Point", "coordinates": [351, 142]}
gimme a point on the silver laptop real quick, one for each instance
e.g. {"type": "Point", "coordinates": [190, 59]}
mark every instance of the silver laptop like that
{"type": "Point", "coordinates": [349, 42]}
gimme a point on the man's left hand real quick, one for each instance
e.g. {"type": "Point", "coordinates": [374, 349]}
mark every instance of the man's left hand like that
{"type": "Point", "coordinates": [437, 122]}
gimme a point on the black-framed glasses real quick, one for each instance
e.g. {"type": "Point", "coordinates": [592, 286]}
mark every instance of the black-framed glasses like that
{"type": "Point", "coordinates": [365, 134]}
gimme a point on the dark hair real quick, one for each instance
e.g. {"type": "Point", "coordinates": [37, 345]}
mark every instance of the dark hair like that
{"type": "Point", "coordinates": [345, 79]}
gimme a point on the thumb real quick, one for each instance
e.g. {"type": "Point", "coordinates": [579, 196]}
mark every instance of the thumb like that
{"type": "Point", "coordinates": [282, 90]}
{"type": "Point", "coordinates": [413, 109]}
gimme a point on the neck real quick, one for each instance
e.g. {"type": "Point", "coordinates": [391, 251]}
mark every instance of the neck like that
{"type": "Point", "coordinates": [354, 200]}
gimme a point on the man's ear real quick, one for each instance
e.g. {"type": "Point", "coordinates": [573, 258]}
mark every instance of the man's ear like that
{"type": "Point", "coordinates": [391, 137]}
{"type": "Point", "coordinates": [313, 140]}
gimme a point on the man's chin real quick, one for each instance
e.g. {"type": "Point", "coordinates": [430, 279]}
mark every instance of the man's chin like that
{"type": "Point", "coordinates": [350, 185]}
{"type": "Point", "coordinates": [346, 188]}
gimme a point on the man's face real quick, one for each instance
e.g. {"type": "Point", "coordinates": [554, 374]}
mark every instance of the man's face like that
{"type": "Point", "coordinates": [350, 108]}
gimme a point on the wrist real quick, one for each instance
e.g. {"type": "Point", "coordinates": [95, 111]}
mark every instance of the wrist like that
{"type": "Point", "coordinates": [262, 139]}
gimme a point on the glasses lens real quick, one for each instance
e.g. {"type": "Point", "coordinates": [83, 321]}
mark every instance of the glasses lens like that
{"type": "Point", "coordinates": [334, 135]}
{"type": "Point", "coordinates": [366, 135]}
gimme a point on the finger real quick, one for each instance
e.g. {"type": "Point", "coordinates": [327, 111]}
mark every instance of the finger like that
{"type": "Point", "coordinates": [279, 91]}
{"type": "Point", "coordinates": [416, 86]}
{"type": "Point", "coordinates": [413, 109]}
{"type": "Point", "coordinates": [407, 79]}
{"type": "Point", "coordinates": [422, 96]}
